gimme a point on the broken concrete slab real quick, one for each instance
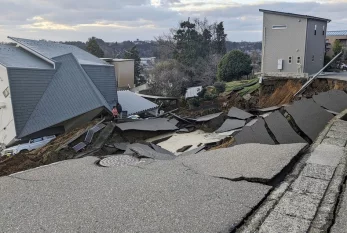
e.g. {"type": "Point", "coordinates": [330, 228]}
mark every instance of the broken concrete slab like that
{"type": "Point", "coordinates": [208, 117]}
{"type": "Point", "coordinates": [281, 129]}
{"type": "Point", "coordinates": [121, 145]}
{"type": "Point", "coordinates": [252, 161]}
{"type": "Point", "coordinates": [193, 151]}
{"type": "Point", "coordinates": [158, 124]}
{"type": "Point", "coordinates": [119, 161]}
{"type": "Point", "coordinates": [309, 117]}
{"type": "Point", "coordinates": [184, 148]}
{"type": "Point", "coordinates": [239, 114]}
{"type": "Point", "coordinates": [104, 135]}
{"type": "Point", "coordinates": [334, 100]}
{"type": "Point", "coordinates": [195, 138]}
{"type": "Point", "coordinates": [142, 150]}
{"type": "Point", "coordinates": [328, 155]}
{"type": "Point", "coordinates": [256, 133]}
{"type": "Point", "coordinates": [160, 149]}
{"type": "Point", "coordinates": [231, 124]}
{"type": "Point", "coordinates": [125, 199]}
{"type": "Point", "coordinates": [269, 109]}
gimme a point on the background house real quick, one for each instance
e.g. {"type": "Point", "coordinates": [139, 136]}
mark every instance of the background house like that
{"type": "Point", "coordinates": [49, 88]}
{"type": "Point", "coordinates": [293, 45]}
{"type": "Point", "coordinates": [332, 36]}
{"type": "Point", "coordinates": [125, 72]}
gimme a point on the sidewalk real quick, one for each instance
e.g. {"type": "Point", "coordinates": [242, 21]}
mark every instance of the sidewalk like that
{"type": "Point", "coordinates": [307, 200]}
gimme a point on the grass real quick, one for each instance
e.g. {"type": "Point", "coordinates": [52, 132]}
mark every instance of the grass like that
{"type": "Point", "coordinates": [249, 90]}
{"type": "Point", "coordinates": [230, 86]}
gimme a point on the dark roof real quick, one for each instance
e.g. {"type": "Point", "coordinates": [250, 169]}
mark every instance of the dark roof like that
{"type": "Point", "coordinates": [293, 15]}
{"type": "Point", "coordinates": [69, 94]}
{"type": "Point", "coordinates": [337, 33]}
{"type": "Point", "coordinates": [11, 56]}
{"type": "Point", "coordinates": [51, 50]}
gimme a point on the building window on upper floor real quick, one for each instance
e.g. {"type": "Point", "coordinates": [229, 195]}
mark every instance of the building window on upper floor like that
{"type": "Point", "coordinates": [290, 60]}
{"type": "Point", "coordinates": [6, 92]}
{"type": "Point", "coordinates": [279, 27]}
{"type": "Point", "coordinates": [298, 61]}
{"type": "Point", "coordinates": [312, 58]}
{"type": "Point", "coordinates": [323, 30]}
{"type": "Point", "coordinates": [315, 29]}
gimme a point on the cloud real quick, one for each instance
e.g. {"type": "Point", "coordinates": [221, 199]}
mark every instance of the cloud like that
{"type": "Point", "coordinates": [115, 20]}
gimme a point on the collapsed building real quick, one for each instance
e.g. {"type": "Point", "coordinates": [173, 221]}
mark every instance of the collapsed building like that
{"type": "Point", "coordinates": [49, 88]}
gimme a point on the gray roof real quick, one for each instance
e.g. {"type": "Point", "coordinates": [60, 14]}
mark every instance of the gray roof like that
{"type": "Point", "coordinates": [337, 33]}
{"type": "Point", "coordinates": [51, 50]}
{"type": "Point", "coordinates": [69, 94]}
{"type": "Point", "coordinates": [11, 56]}
{"type": "Point", "coordinates": [133, 103]}
{"type": "Point", "coordinates": [293, 15]}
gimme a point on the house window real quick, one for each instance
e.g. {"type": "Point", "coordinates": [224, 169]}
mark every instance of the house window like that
{"type": "Point", "coordinates": [312, 57]}
{"type": "Point", "coordinates": [315, 29]}
{"type": "Point", "coordinates": [279, 27]}
{"type": "Point", "coordinates": [323, 30]}
{"type": "Point", "coordinates": [298, 60]}
{"type": "Point", "coordinates": [290, 60]}
{"type": "Point", "coordinates": [6, 92]}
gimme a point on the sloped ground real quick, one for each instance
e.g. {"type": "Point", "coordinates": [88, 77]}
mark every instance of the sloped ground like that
{"type": "Point", "coordinates": [43, 156]}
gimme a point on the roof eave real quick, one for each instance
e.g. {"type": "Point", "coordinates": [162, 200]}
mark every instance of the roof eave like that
{"type": "Point", "coordinates": [33, 51]}
{"type": "Point", "coordinates": [294, 15]}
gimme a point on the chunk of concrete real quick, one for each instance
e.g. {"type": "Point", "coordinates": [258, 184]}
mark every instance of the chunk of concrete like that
{"type": "Point", "coordinates": [121, 145]}
{"type": "Point", "coordinates": [252, 161]}
{"type": "Point", "coordinates": [231, 124]}
{"type": "Point", "coordinates": [78, 196]}
{"type": "Point", "coordinates": [257, 133]}
{"type": "Point", "coordinates": [328, 155]}
{"type": "Point", "coordinates": [282, 130]}
{"type": "Point", "coordinates": [142, 150]}
{"type": "Point", "coordinates": [158, 124]}
{"type": "Point", "coordinates": [334, 100]}
{"type": "Point", "coordinates": [208, 117]}
{"type": "Point", "coordinates": [309, 117]}
{"type": "Point", "coordinates": [239, 114]}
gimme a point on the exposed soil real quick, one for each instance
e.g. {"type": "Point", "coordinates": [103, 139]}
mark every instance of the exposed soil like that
{"type": "Point", "coordinates": [48, 154]}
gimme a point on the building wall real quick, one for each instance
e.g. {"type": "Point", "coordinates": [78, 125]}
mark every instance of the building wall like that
{"type": "Point", "coordinates": [7, 126]}
{"type": "Point", "coordinates": [27, 88]}
{"type": "Point", "coordinates": [331, 39]}
{"type": "Point", "coordinates": [125, 71]}
{"type": "Point", "coordinates": [283, 43]}
{"type": "Point", "coordinates": [315, 46]}
{"type": "Point", "coordinates": [105, 80]}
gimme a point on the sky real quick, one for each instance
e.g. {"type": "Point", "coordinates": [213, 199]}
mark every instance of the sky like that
{"type": "Point", "coordinates": [119, 20]}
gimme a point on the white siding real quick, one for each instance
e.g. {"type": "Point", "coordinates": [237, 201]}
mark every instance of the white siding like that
{"type": "Point", "coordinates": [7, 126]}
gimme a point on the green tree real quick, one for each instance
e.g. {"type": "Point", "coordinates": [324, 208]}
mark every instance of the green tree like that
{"type": "Point", "coordinates": [94, 48]}
{"type": "Point", "coordinates": [337, 47]}
{"type": "Point", "coordinates": [134, 54]}
{"type": "Point", "coordinates": [233, 66]}
{"type": "Point", "coordinates": [219, 42]}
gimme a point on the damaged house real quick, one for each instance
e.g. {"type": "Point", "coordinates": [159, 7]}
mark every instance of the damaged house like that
{"type": "Point", "coordinates": [48, 88]}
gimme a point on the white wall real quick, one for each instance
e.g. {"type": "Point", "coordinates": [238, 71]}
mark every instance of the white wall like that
{"type": "Point", "coordinates": [7, 126]}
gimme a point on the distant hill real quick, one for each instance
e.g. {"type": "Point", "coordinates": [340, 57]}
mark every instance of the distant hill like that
{"type": "Point", "coordinates": [148, 48]}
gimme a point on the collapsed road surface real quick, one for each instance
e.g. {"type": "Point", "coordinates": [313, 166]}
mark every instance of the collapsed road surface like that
{"type": "Point", "coordinates": [149, 196]}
